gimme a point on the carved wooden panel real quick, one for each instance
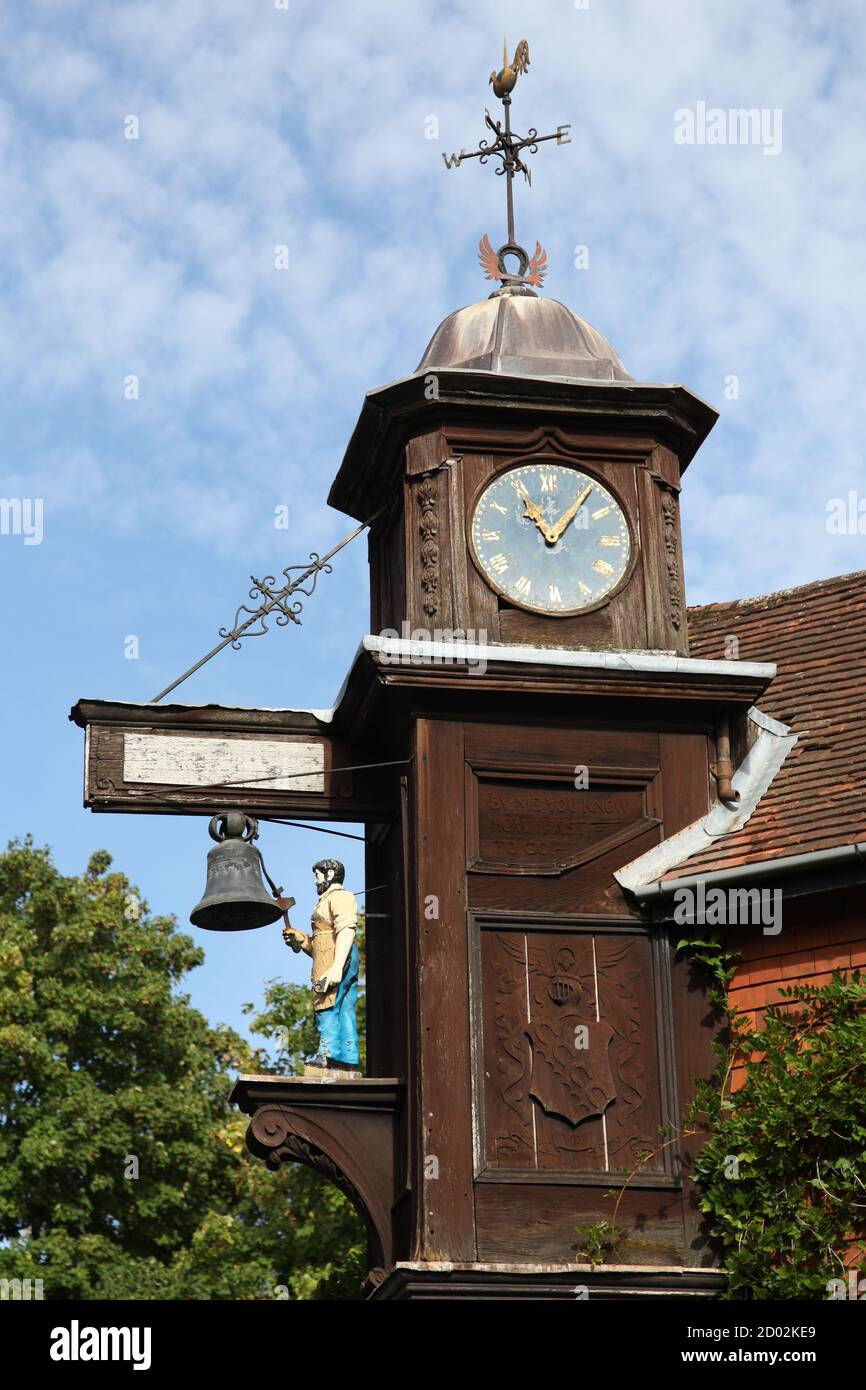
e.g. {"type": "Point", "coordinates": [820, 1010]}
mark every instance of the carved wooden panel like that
{"type": "Point", "coordinates": [525, 824]}
{"type": "Point", "coordinates": [678, 795]}
{"type": "Point", "coordinates": [526, 820]}
{"type": "Point", "coordinates": [570, 1064]}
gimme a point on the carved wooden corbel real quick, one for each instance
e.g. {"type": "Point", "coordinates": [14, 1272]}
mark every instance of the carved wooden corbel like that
{"type": "Point", "coordinates": [343, 1130]}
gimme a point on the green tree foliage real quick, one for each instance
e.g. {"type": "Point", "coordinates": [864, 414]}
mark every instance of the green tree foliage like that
{"type": "Point", "coordinates": [783, 1173]}
{"type": "Point", "coordinates": [107, 1071]}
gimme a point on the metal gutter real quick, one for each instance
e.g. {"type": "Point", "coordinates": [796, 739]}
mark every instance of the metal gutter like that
{"type": "Point", "coordinates": [765, 868]}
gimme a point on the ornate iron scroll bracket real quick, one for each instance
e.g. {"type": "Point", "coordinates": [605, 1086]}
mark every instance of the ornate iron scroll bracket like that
{"type": "Point", "coordinates": [274, 603]}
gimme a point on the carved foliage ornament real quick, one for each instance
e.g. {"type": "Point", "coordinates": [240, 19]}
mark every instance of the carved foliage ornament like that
{"type": "Point", "coordinates": [669, 513]}
{"type": "Point", "coordinates": [669, 522]}
{"type": "Point", "coordinates": [428, 528]}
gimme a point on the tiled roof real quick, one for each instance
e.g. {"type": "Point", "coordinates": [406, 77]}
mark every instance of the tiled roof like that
{"type": "Point", "coordinates": [817, 636]}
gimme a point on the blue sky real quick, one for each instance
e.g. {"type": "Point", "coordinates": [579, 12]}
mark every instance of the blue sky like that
{"type": "Point", "coordinates": [307, 126]}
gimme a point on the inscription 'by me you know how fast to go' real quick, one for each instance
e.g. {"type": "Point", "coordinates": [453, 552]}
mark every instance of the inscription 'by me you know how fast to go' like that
{"type": "Point", "coordinates": [550, 538]}
{"type": "Point", "coordinates": [545, 823]}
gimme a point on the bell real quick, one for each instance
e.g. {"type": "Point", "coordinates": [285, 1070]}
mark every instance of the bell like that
{"type": "Point", "coordinates": [235, 899]}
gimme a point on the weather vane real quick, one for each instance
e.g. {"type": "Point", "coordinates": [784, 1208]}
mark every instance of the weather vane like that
{"type": "Point", "coordinates": [507, 147]}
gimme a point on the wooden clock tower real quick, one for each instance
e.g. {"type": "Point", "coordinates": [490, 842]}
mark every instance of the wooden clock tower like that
{"type": "Point", "coordinates": [527, 681]}
{"type": "Point", "coordinates": [529, 1033]}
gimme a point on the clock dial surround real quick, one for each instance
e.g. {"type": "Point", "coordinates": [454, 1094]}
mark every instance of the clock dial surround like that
{"type": "Point", "coordinates": [551, 538]}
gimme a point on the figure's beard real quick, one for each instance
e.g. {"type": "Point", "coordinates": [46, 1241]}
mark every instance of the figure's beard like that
{"type": "Point", "coordinates": [322, 887]}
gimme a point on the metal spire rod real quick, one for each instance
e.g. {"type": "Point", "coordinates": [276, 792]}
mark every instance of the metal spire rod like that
{"type": "Point", "coordinates": [272, 600]}
{"type": "Point", "coordinates": [509, 169]}
{"type": "Point", "coordinates": [507, 147]}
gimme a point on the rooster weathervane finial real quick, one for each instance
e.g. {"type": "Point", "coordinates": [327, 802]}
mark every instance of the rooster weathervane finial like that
{"type": "Point", "coordinates": [507, 146]}
{"type": "Point", "coordinates": [504, 82]}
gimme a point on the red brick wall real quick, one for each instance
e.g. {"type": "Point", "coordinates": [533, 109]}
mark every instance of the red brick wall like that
{"type": "Point", "coordinates": [820, 933]}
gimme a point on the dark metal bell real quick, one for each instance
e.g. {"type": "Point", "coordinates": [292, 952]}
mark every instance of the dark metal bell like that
{"type": "Point", "coordinates": [235, 899]}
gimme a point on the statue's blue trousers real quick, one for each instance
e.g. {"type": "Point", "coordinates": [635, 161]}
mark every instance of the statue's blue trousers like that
{"type": "Point", "coordinates": [338, 1026]}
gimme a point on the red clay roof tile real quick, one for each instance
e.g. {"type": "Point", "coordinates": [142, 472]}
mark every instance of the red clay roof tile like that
{"type": "Point", "coordinates": [817, 636]}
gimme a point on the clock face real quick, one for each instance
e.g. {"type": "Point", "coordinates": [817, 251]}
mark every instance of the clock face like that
{"type": "Point", "coordinates": [550, 538]}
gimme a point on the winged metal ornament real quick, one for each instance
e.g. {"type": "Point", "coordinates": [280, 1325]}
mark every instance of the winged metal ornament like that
{"type": "Point", "coordinates": [489, 259]}
{"type": "Point", "coordinates": [532, 272]}
{"type": "Point", "coordinates": [537, 266]}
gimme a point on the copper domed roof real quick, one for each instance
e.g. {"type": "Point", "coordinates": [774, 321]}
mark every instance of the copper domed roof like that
{"type": "Point", "coordinates": [522, 335]}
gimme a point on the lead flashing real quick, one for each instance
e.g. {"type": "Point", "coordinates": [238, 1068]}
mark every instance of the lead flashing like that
{"type": "Point", "coordinates": [752, 780]}
{"type": "Point", "coordinates": [663, 663]}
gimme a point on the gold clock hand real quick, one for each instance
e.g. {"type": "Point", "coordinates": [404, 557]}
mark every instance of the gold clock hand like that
{"type": "Point", "coordinates": [567, 517]}
{"type": "Point", "coordinates": [533, 510]}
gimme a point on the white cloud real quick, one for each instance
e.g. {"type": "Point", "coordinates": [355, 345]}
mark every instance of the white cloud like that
{"type": "Point", "coordinates": [306, 127]}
